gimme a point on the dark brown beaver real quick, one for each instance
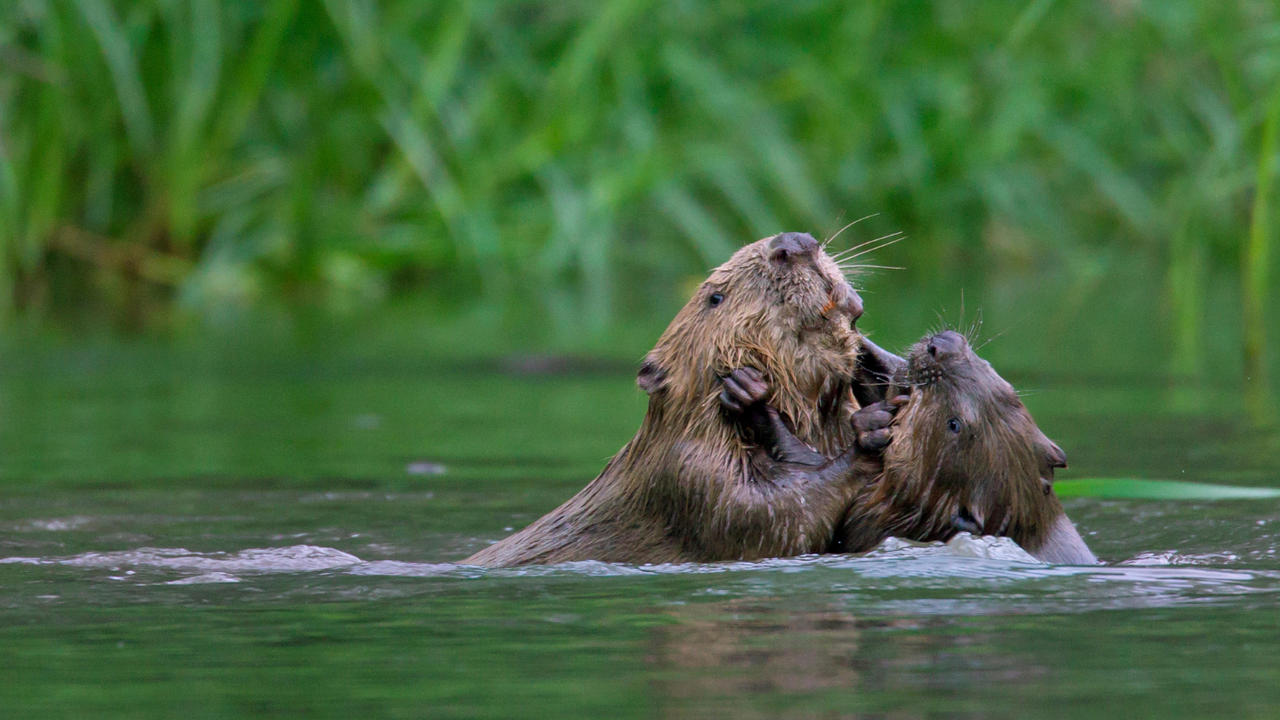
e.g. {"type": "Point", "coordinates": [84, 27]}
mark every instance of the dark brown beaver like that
{"type": "Point", "coordinates": [692, 485]}
{"type": "Point", "coordinates": [965, 455]}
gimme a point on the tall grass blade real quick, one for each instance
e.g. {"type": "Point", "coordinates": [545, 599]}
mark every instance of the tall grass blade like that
{"type": "Point", "coordinates": [250, 77]}
{"type": "Point", "coordinates": [120, 58]}
{"type": "Point", "coordinates": [1256, 279]}
{"type": "Point", "coordinates": [702, 230]}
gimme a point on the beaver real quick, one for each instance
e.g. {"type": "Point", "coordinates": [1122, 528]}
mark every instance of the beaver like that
{"type": "Point", "coordinates": [966, 455]}
{"type": "Point", "coordinates": [766, 348]}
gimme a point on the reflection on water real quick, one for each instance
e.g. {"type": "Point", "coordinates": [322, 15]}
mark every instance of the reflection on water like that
{"type": "Point", "coordinates": [376, 624]}
{"type": "Point", "coordinates": [357, 611]}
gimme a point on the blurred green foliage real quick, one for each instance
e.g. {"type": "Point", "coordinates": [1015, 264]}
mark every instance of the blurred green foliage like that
{"type": "Point", "coordinates": [573, 152]}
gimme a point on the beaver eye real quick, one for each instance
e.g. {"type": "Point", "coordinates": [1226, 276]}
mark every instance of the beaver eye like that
{"type": "Point", "coordinates": [954, 426]}
{"type": "Point", "coordinates": [715, 299]}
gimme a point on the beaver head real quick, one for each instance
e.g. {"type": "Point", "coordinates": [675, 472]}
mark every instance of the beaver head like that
{"type": "Point", "coordinates": [967, 455]}
{"type": "Point", "coordinates": [782, 306]}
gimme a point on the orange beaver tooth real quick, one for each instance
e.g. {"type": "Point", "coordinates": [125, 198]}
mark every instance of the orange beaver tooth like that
{"type": "Point", "coordinates": [832, 302]}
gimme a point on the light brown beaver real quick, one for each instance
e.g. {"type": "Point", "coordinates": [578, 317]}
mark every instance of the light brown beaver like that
{"type": "Point", "coordinates": [965, 455]}
{"type": "Point", "coordinates": [695, 484]}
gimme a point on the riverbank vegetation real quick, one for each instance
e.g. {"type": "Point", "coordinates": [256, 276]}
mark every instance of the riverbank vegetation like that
{"type": "Point", "coordinates": [586, 155]}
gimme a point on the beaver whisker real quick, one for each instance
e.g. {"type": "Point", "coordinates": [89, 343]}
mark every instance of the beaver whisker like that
{"type": "Point", "coordinates": [846, 268]}
{"type": "Point", "coordinates": [925, 376]}
{"type": "Point", "coordinates": [850, 254]}
{"type": "Point", "coordinates": [993, 337]}
{"type": "Point", "coordinates": [942, 325]}
{"type": "Point", "coordinates": [863, 244]}
{"type": "Point", "coordinates": [848, 250]}
{"type": "Point", "coordinates": [827, 242]}
{"type": "Point", "coordinates": [975, 327]}
{"type": "Point", "coordinates": [845, 255]}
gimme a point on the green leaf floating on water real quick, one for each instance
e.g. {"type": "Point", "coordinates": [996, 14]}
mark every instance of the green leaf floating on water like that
{"type": "Point", "coordinates": [1133, 488]}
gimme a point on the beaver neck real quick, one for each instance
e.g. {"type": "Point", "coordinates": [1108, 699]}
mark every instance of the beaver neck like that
{"type": "Point", "coordinates": [822, 419]}
{"type": "Point", "coordinates": [824, 423]}
{"type": "Point", "coordinates": [673, 427]}
{"type": "Point", "coordinates": [907, 504]}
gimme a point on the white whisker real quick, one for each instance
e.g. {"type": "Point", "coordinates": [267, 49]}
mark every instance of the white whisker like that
{"type": "Point", "coordinates": [846, 251]}
{"type": "Point", "coordinates": [896, 238]}
{"type": "Point", "coordinates": [827, 242]}
{"type": "Point", "coordinates": [877, 267]}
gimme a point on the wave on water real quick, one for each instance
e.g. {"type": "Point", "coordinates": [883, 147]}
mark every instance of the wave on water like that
{"type": "Point", "coordinates": [966, 564]}
{"type": "Point", "coordinates": [1001, 550]}
{"type": "Point", "coordinates": [1172, 557]}
{"type": "Point", "coordinates": [213, 567]}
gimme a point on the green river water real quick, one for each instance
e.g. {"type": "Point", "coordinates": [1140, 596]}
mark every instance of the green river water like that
{"type": "Point", "coordinates": [221, 529]}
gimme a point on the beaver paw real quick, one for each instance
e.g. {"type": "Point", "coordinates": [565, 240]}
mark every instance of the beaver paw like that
{"type": "Point", "coordinates": [872, 423]}
{"type": "Point", "coordinates": [743, 388]}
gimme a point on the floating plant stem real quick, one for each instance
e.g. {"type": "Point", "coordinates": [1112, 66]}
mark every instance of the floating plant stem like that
{"type": "Point", "coordinates": [1135, 489]}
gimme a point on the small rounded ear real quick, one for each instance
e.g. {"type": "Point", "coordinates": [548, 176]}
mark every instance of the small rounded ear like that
{"type": "Point", "coordinates": [651, 378]}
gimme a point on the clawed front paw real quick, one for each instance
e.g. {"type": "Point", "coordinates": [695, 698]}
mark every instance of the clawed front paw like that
{"type": "Point", "coordinates": [743, 388]}
{"type": "Point", "coordinates": [871, 423]}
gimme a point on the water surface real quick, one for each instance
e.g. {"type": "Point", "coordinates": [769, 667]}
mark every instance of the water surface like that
{"type": "Point", "coordinates": [254, 534]}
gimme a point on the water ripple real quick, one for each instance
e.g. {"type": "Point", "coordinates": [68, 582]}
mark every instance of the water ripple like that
{"type": "Point", "coordinates": [967, 574]}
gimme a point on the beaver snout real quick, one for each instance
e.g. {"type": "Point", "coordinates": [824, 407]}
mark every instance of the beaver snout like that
{"type": "Point", "coordinates": [787, 246]}
{"type": "Point", "coordinates": [946, 345]}
{"type": "Point", "coordinates": [845, 299]}
{"type": "Point", "coordinates": [853, 306]}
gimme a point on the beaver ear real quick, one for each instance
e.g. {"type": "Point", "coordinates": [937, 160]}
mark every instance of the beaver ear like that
{"type": "Point", "coordinates": [651, 378]}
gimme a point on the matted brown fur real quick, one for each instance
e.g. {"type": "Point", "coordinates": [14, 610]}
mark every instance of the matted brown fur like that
{"type": "Point", "coordinates": [688, 487]}
{"type": "Point", "coordinates": [965, 454]}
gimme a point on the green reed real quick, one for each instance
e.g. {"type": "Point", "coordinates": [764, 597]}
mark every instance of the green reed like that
{"type": "Point", "coordinates": [1256, 271]}
{"type": "Point", "coordinates": [573, 153]}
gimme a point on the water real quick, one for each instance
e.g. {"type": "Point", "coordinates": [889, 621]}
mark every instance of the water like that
{"type": "Point", "coordinates": [227, 531]}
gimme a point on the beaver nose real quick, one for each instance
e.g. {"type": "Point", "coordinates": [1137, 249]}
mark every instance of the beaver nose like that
{"type": "Point", "coordinates": [853, 305]}
{"type": "Point", "coordinates": [946, 344]}
{"type": "Point", "coordinates": [788, 245]}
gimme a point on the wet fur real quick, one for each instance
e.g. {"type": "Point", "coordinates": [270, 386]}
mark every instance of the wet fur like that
{"type": "Point", "coordinates": [993, 477]}
{"type": "Point", "coordinates": [689, 487]}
